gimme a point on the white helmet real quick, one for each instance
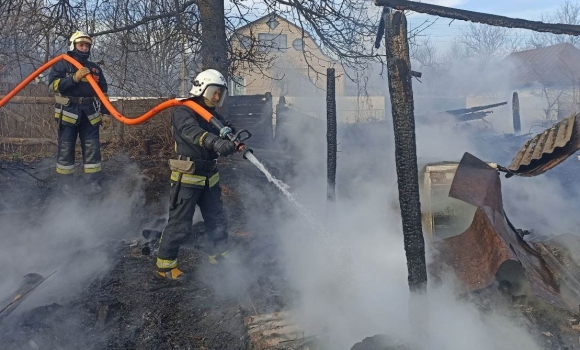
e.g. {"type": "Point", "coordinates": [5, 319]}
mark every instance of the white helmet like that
{"type": "Point", "coordinates": [79, 37]}
{"type": "Point", "coordinates": [210, 83]}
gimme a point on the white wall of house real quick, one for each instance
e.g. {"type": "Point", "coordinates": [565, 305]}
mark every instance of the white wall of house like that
{"type": "Point", "coordinates": [349, 109]}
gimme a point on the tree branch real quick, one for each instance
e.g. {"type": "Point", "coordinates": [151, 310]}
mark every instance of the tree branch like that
{"type": "Point", "coordinates": [147, 20]}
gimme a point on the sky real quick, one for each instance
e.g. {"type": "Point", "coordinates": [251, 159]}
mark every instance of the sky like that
{"type": "Point", "coordinates": [443, 32]}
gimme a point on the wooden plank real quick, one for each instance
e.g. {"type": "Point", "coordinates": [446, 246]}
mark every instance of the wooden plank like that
{"type": "Point", "coordinates": [27, 141]}
{"type": "Point", "coordinates": [31, 99]}
{"type": "Point", "coordinates": [276, 331]}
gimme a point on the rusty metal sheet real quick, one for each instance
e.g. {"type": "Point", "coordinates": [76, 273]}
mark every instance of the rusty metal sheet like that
{"type": "Point", "coordinates": [547, 149]}
{"type": "Point", "coordinates": [477, 254]}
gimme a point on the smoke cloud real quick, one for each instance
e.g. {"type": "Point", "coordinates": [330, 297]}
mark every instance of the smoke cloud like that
{"type": "Point", "coordinates": [349, 281]}
{"type": "Point", "coordinates": [74, 235]}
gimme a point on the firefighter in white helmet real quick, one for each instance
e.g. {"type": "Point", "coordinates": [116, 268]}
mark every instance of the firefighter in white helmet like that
{"type": "Point", "coordinates": [195, 177]}
{"type": "Point", "coordinates": [78, 111]}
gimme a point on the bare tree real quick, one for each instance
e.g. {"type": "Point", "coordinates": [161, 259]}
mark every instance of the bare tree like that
{"type": "Point", "coordinates": [484, 42]}
{"type": "Point", "coordinates": [425, 52]}
{"type": "Point", "coordinates": [149, 46]}
{"type": "Point", "coordinates": [567, 13]}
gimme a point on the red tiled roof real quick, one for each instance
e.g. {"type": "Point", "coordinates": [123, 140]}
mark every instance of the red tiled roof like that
{"type": "Point", "coordinates": [556, 65]}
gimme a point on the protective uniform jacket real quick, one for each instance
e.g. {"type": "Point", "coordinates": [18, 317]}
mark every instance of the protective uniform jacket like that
{"type": "Point", "coordinates": [189, 131]}
{"type": "Point", "coordinates": [82, 97]}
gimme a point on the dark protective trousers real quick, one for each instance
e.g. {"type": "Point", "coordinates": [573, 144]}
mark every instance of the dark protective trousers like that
{"type": "Point", "coordinates": [179, 225]}
{"type": "Point", "coordinates": [90, 147]}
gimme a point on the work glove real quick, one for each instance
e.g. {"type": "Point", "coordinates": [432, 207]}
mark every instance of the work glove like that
{"type": "Point", "coordinates": [81, 73]}
{"type": "Point", "coordinates": [221, 146]}
{"type": "Point", "coordinates": [224, 147]}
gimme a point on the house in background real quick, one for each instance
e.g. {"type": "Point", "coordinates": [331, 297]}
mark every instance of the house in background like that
{"type": "Point", "coordinates": [547, 81]}
{"type": "Point", "coordinates": [298, 72]}
{"type": "Point", "coordinates": [552, 73]}
{"type": "Point", "coordinates": [298, 66]}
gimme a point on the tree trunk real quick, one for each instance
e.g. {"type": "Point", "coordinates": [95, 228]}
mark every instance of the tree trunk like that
{"type": "Point", "coordinates": [485, 18]}
{"type": "Point", "coordinates": [214, 53]}
{"type": "Point", "coordinates": [399, 71]}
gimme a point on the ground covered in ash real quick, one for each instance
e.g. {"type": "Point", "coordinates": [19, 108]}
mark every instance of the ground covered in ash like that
{"type": "Point", "coordinates": [127, 307]}
{"type": "Point", "coordinates": [124, 306]}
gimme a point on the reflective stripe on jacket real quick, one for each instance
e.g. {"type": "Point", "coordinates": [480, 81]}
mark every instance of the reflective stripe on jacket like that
{"type": "Point", "coordinates": [196, 180]}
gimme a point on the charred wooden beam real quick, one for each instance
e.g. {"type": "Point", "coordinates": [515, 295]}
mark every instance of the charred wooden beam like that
{"type": "Point", "coordinates": [331, 135]}
{"type": "Point", "coordinates": [516, 113]}
{"type": "Point", "coordinates": [472, 116]}
{"type": "Point", "coordinates": [400, 88]}
{"type": "Point", "coordinates": [479, 17]}
{"type": "Point", "coordinates": [474, 109]}
{"type": "Point", "coordinates": [381, 29]}
{"type": "Point", "coordinates": [416, 74]}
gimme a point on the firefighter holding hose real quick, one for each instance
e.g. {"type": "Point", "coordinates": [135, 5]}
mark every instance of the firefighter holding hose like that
{"type": "Point", "coordinates": [78, 112]}
{"type": "Point", "coordinates": [195, 177]}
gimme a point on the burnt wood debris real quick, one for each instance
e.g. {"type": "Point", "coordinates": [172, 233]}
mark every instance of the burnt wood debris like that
{"type": "Point", "coordinates": [400, 88]}
{"type": "Point", "coordinates": [516, 113]}
{"type": "Point", "coordinates": [331, 134]}
{"type": "Point", "coordinates": [478, 17]}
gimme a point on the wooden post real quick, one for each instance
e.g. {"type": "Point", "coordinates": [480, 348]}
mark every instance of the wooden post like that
{"type": "Point", "coordinates": [279, 111]}
{"type": "Point", "coordinates": [516, 113]}
{"type": "Point", "coordinates": [331, 135]}
{"type": "Point", "coordinates": [399, 72]}
{"type": "Point", "coordinates": [269, 113]}
{"type": "Point", "coordinates": [121, 126]}
{"type": "Point", "coordinates": [146, 147]}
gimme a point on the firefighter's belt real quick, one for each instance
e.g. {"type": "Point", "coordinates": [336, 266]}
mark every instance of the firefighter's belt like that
{"type": "Point", "coordinates": [82, 100]}
{"type": "Point", "coordinates": [199, 165]}
{"type": "Point", "coordinates": [182, 166]}
{"type": "Point", "coordinates": [207, 166]}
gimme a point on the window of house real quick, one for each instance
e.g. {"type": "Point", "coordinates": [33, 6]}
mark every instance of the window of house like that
{"type": "Point", "coordinates": [272, 22]}
{"type": "Point", "coordinates": [298, 44]}
{"type": "Point", "coordinates": [246, 42]}
{"type": "Point", "coordinates": [272, 42]}
{"type": "Point", "coordinates": [237, 86]}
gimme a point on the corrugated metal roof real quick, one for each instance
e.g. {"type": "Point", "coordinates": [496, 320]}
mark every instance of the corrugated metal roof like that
{"type": "Point", "coordinates": [556, 65]}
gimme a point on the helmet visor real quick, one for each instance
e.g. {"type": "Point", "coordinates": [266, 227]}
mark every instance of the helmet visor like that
{"type": "Point", "coordinates": [215, 95]}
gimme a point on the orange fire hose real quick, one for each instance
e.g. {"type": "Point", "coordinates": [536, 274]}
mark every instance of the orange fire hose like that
{"type": "Point", "coordinates": [104, 100]}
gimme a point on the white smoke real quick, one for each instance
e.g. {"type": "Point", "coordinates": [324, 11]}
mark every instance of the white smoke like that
{"type": "Point", "coordinates": [74, 235]}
